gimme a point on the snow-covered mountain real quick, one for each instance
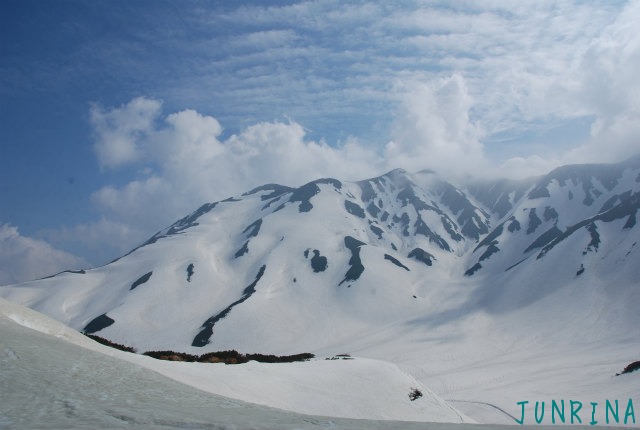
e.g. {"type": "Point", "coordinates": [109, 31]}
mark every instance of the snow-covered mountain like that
{"type": "Point", "coordinates": [283, 270]}
{"type": "Point", "coordinates": [441, 279]}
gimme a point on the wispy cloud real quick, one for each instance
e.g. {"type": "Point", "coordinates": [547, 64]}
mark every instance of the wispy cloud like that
{"type": "Point", "coordinates": [23, 258]}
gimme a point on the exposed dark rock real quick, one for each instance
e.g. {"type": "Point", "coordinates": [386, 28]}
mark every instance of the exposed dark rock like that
{"type": "Point", "coordinates": [307, 191]}
{"type": "Point", "coordinates": [253, 229]}
{"type": "Point", "coordinates": [544, 239]}
{"type": "Point", "coordinates": [189, 272]}
{"type": "Point", "coordinates": [422, 256]}
{"type": "Point", "coordinates": [395, 261]}
{"type": "Point", "coordinates": [632, 367]}
{"type": "Point", "coordinates": [354, 209]}
{"type": "Point", "coordinates": [318, 262]}
{"type": "Point", "coordinates": [491, 249]}
{"type": "Point", "coordinates": [473, 269]}
{"type": "Point", "coordinates": [376, 230]}
{"type": "Point", "coordinates": [580, 270]}
{"type": "Point", "coordinates": [422, 228]}
{"type": "Point", "coordinates": [204, 336]}
{"type": "Point", "coordinates": [514, 225]}
{"type": "Point", "coordinates": [243, 250]}
{"type": "Point", "coordinates": [534, 221]}
{"type": "Point", "coordinates": [627, 208]}
{"type": "Point", "coordinates": [385, 216]}
{"type": "Point", "coordinates": [97, 324]}
{"type": "Point", "coordinates": [373, 210]}
{"type": "Point", "coordinates": [276, 191]}
{"type": "Point", "coordinates": [355, 264]}
{"type": "Point", "coordinates": [595, 238]}
{"type": "Point", "coordinates": [550, 213]}
{"type": "Point", "coordinates": [141, 280]}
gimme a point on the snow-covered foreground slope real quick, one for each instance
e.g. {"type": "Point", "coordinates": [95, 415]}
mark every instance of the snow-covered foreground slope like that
{"type": "Point", "coordinates": [36, 351]}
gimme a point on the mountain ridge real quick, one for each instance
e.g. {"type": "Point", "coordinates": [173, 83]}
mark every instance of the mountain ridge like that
{"type": "Point", "coordinates": [266, 269]}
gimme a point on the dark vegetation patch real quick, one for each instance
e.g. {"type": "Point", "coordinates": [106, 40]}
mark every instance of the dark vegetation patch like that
{"type": "Point", "coordinates": [307, 191]}
{"type": "Point", "coordinates": [550, 213]}
{"type": "Point", "coordinates": [544, 238]}
{"type": "Point", "coordinates": [373, 210]}
{"type": "Point", "coordinates": [189, 272]}
{"type": "Point", "coordinates": [414, 394]}
{"type": "Point", "coordinates": [243, 250]}
{"type": "Point", "coordinates": [422, 256]}
{"type": "Point", "coordinates": [490, 237]}
{"type": "Point", "coordinates": [75, 272]}
{"type": "Point", "coordinates": [630, 368]}
{"type": "Point", "coordinates": [376, 230]}
{"type": "Point", "coordinates": [141, 280]}
{"type": "Point", "coordinates": [97, 324]}
{"type": "Point", "coordinates": [491, 249]}
{"type": "Point", "coordinates": [422, 228]}
{"type": "Point", "coordinates": [534, 221]}
{"type": "Point", "coordinates": [340, 357]}
{"type": "Point", "coordinates": [396, 262]}
{"type": "Point", "coordinates": [203, 337]}
{"type": "Point", "coordinates": [107, 342]}
{"type": "Point", "coordinates": [354, 209]}
{"type": "Point", "coordinates": [627, 208]}
{"type": "Point", "coordinates": [228, 357]}
{"type": "Point", "coordinates": [276, 191]}
{"type": "Point", "coordinates": [368, 193]}
{"type": "Point", "coordinates": [253, 229]}
{"type": "Point", "coordinates": [449, 227]}
{"type": "Point", "coordinates": [473, 269]}
{"type": "Point", "coordinates": [514, 225]}
{"type": "Point", "coordinates": [318, 262]}
{"type": "Point", "coordinates": [595, 238]}
{"type": "Point", "coordinates": [356, 268]}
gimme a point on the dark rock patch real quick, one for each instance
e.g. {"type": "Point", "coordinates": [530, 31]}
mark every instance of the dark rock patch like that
{"type": "Point", "coordinates": [354, 209]}
{"type": "Point", "coordinates": [422, 256]}
{"type": "Point", "coordinates": [491, 249]}
{"type": "Point", "coordinates": [550, 213]}
{"type": "Point", "coordinates": [385, 216]}
{"type": "Point", "coordinates": [473, 269]}
{"type": "Point", "coordinates": [204, 336]}
{"type": "Point", "coordinates": [422, 228]}
{"type": "Point", "coordinates": [580, 270]}
{"type": "Point", "coordinates": [228, 357]}
{"type": "Point", "coordinates": [276, 191]}
{"type": "Point", "coordinates": [373, 210]}
{"type": "Point", "coordinates": [376, 230]}
{"type": "Point", "coordinates": [534, 221]}
{"type": "Point", "coordinates": [396, 262]}
{"type": "Point", "coordinates": [633, 366]}
{"type": "Point", "coordinates": [97, 324]}
{"type": "Point", "coordinates": [544, 239]}
{"type": "Point", "coordinates": [243, 250]}
{"type": "Point", "coordinates": [189, 272]}
{"type": "Point", "coordinates": [514, 225]}
{"type": "Point", "coordinates": [355, 264]}
{"type": "Point", "coordinates": [253, 229]}
{"type": "Point", "coordinates": [318, 262]}
{"type": "Point", "coordinates": [141, 280]}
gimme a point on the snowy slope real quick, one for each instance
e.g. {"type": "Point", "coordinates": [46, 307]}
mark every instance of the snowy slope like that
{"type": "Point", "coordinates": [358, 388]}
{"type": "Point", "coordinates": [469, 288]}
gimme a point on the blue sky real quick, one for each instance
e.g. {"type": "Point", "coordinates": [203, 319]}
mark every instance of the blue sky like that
{"type": "Point", "coordinates": [118, 117]}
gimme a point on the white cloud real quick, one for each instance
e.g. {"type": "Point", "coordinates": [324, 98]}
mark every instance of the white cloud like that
{"type": "Point", "coordinates": [118, 131]}
{"type": "Point", "coordinates": [184, 163]}
{"type": "Point", "coordinates": [434, 130]}
{"type": "Point", "coordinates": [23, 258]}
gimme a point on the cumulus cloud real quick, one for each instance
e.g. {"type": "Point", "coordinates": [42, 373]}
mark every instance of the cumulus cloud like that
{"type": "Point", "coordinates": [183, 162]}
{"type": "Point", "coordinates": [118, 131]}
{"type": "Point", "coordinates": [23, 258]}
{"type": "Point", "coordinates": [433, 128]}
